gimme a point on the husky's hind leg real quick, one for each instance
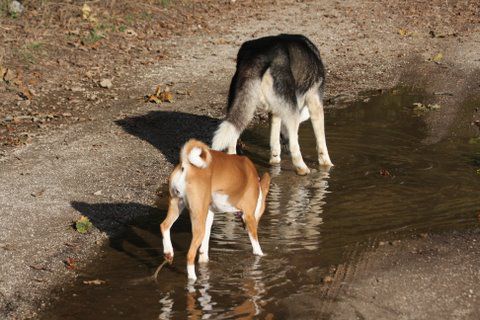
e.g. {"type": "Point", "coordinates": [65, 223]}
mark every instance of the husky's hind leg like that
{"type": "Point", "coordinates": [275, 147]}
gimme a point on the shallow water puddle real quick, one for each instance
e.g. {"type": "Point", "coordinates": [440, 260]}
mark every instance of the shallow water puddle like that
{"type": "Point", "coordinates": [388, 182]}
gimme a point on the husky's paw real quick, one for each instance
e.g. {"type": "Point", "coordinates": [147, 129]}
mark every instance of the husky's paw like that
{"type": "Point", "coordinates": [274, 160]}
{"type": "Point", "coordinates": [325, 161]}
{"type": "Point", "coordinates": [302, 171]}
{"type": "Point", "coordinates": [203, 258]}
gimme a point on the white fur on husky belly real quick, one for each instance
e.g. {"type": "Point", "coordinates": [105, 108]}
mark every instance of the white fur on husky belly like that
{"type": "Point", "coordinates": [220, 203]}
{"type": "Point", "coordinates": [304, 114]}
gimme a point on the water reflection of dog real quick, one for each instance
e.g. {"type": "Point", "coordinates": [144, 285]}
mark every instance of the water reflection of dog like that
{"type": "Point", "coordinates": [254, 291]}
{"type": "Point", "coordinates": [295, 207]}
{"type": "Point", "coordinates": [200, 302]}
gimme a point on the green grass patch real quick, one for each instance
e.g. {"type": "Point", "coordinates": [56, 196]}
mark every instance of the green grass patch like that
{"type": "Point", "coordinates": [93, 36]}
{"type": "Point", "coordinates": [165, 3]}
{"type": "Point", "coordinates": [29, 52]}
{"type": "Point", "coordinates": [475, 140]}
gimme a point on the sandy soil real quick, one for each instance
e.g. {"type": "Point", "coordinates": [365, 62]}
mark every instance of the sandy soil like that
{"type": "Point", "coordinates": [122, 149]}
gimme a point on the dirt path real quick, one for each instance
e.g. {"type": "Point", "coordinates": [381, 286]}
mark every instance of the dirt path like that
{"type": "Point", "coordinates": [126, 151]}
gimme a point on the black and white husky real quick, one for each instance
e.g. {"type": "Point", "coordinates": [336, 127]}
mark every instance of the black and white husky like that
{"type": "Point", "coordinates": [285, 75]}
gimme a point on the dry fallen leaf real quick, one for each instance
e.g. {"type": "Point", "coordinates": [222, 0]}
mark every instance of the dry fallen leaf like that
{"type": "Point", "coordinates": [385, 173]}
{"type": "Point", "coordinates": [38, 193]}
{"type": "Point", "coordinates": [420, 108]}
{"type": "Point", "coordinates": [3, 71]}
{"type": "Point", "coordinates": [39, 267]}
{"type": "Point", "coordinates": [95, 282]}
{"type": "Point", "coordinates": [160, 95]}
{"type": "Point", "coordinates": [70, 263]}
{"type": "Point", "coordinates": [8, 75]}
{"type": "Point", "coordinates": [86, 10]}
{"type": "Point", "coordinates": [438, 57]}
{"type": "Point", "coordinates": [87, 13]}
{"type": "Point", "coordinates": [131, 32]}
{"type": "Point", "coordinates": [24, 92]}
{"type": "Point", "coordinates": [403, 32]}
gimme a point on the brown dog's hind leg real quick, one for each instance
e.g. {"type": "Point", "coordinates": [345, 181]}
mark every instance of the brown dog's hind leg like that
{"type": "Point", "coordinates": [252, 224]}
{"type": "Point", "coordinates": [174, 209]}
{"type": "Point", "coordinates": [199, 199]}
{"type": "Point", "coordinates": [203, 257]}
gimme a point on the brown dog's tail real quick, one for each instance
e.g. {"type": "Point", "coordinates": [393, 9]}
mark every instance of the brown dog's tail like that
{"type": "Point", "coordinates": [196, 153]}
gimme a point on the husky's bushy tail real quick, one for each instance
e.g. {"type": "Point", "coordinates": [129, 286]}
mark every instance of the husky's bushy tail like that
{"type": "Point", "coordinates": [195, 153]}
{"type": "Point", "coordinates": [225, 136]}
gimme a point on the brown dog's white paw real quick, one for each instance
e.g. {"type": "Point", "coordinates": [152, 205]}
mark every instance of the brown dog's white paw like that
{"type": "Point", "coordinates": [192, 277]}
{"type": "Point", "coordinates": [168, 256]}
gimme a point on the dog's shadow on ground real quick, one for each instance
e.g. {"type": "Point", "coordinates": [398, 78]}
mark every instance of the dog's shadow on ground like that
{"type": "Point", "coordinates": [139, 237]}
{"type": "Point", "coordinates": [168, 130]}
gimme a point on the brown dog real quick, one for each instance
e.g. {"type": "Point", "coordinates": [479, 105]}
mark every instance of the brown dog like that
{"type": "Point", "coordinates": [207, 182]}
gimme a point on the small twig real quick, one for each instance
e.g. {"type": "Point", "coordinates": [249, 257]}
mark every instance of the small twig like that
{"type": "Point", "coordinates": [155, 275]}
{"type": "Point", "coordinates": [443, 93]}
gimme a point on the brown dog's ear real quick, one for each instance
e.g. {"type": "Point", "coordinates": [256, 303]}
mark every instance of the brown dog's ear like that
{"type": "Point", "coordinates": [265, 184]}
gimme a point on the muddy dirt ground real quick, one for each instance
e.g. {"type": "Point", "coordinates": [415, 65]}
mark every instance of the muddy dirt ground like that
{"type": "Point", "coordinates": [66, 139]}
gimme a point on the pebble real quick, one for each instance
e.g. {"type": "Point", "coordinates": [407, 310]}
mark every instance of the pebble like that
{"type": "Point", "coordinates": [106, 83]}
{"type": "Point", "coordinates": [16, 8]}
{"type": "Point", "coordinates": [77, 89]}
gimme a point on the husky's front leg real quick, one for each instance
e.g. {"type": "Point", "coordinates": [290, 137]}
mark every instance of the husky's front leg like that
{"type": "Point", "coordinates": [292, 125]}
{"type": "Point", "coordinates": [315, 106]}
